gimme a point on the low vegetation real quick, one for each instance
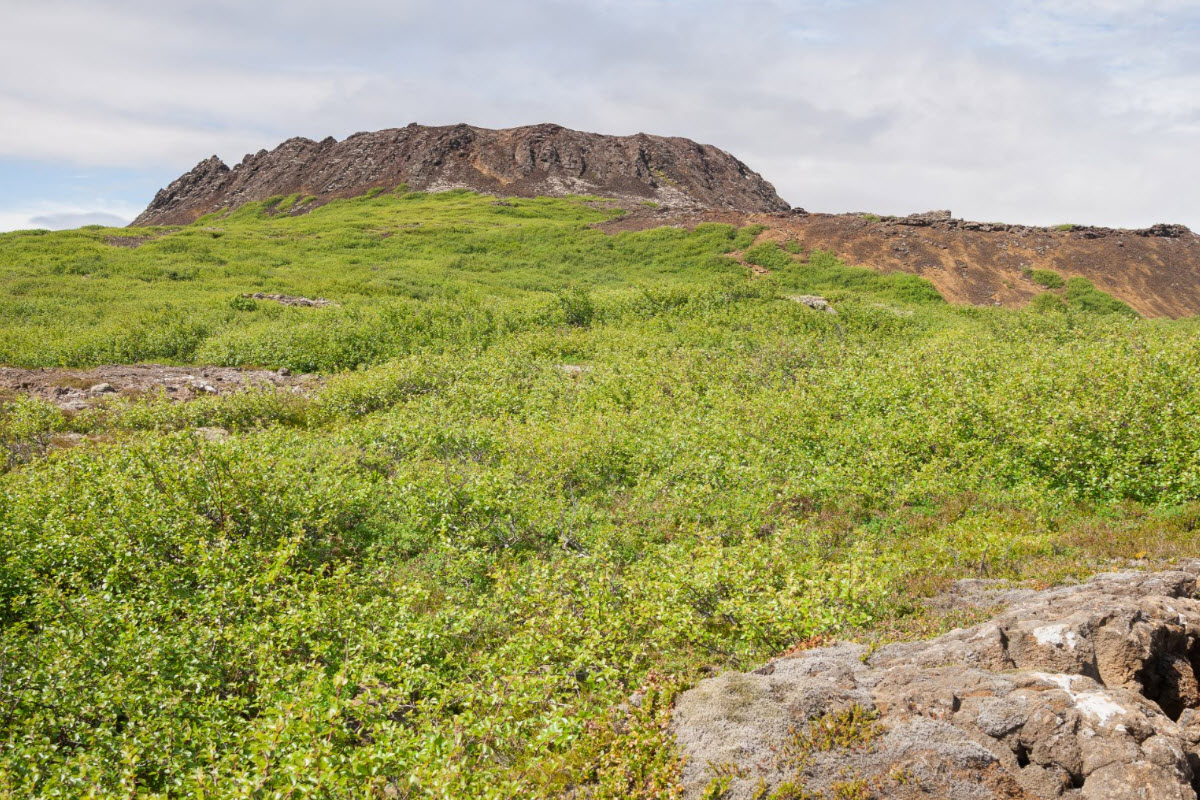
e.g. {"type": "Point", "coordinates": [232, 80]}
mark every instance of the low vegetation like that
{"type": "Point", "coordinates": [1046, 278]}
{"type": "Point", "coordinates": [460, 569]}
{"type": "Point", "coordinates": [1079, 294]}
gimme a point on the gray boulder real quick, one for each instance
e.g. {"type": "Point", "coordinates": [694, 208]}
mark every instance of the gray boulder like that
{"type": "Point", "coordinates": [1085, 692]}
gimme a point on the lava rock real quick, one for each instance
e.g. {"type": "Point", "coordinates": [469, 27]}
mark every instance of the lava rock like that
{"type": "Point", "coordinates": [538, 160]}
{"type": "Point", "coordinates": [1085, 691]}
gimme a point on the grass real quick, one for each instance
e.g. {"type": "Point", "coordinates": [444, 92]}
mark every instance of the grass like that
{"type": "Point", "coordinates": [1079, 294]}
{"type": "Point", "coordinates": [769, 255]}
{"type": "Point", "coordinates": [1047, 278]}
{"type": "Point", "coordinates": [445, 573]}
{"type": "Point", "coordinates": [1047, 302]}
{"type": "Point", "coordinates": [852, 728]}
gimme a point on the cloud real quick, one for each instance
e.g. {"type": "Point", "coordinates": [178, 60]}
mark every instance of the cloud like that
{"type": "Point", "coordinates": [53, 216]}
{"type": "Point", "coordinates": [56, 222]}
{"type": "Point", "coordinates": [1081, 110]}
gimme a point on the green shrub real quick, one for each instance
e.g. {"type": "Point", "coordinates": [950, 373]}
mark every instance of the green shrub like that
{"type": "Point", "coordinates": [1046, 278]}
{"type": "Point", "coordinates": [242, 303]}
{"type": "Point", "coordinates": [745, 236]}
{"type": "Point", "coordinates": [768, 255]}
{"type": "Point", "coordinates": [1047, 302]}
{"type": "Point", "coordinates": [1084, 296]}
{"type": "Point", "coordinates": [577, 307]}
{"type": "Point", "coordinates": [827, 274]}
{"type": "Point", "coordinates": [287, 203]}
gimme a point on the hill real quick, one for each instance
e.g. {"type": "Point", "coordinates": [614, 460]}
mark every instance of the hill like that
{"type": "Point", "coordinates": [538, 160]}
{"type": "Point", "coordinates": [1156, 270]}
{"type": "Point", "coordinates": [443, 495]}
{"type": "Point", "coordinates": [674, 181]}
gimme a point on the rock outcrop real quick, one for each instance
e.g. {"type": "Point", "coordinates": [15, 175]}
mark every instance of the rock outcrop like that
{"type": "Point", "coordinates": [539, 160]}
{"type": "Point", "coordinates": [1082, 692]}
{"type": "Point", "coordinates": [945, 220]}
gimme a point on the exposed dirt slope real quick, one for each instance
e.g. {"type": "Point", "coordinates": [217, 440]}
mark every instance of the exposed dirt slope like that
{"type": "Point", "coordinates": [1155, 270]}
{"type": "Point", "coordinates": [537, 160]}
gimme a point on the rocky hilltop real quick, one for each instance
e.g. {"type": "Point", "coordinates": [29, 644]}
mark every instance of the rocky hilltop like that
{"type": "Point", "coordinates": [539, 160]}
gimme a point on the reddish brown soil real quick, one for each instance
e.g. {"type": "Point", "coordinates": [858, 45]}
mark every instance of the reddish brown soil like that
{"type": "Point", "coordinates": [1156, 271]}
{"type": "Point", "coordinates": [77, 389]}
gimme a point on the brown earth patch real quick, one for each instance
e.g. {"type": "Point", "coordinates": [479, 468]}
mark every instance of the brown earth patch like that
{"type": "Point", "coordinates": [132, 242]}
{"type": "Point", "coordinates": [77, 389]}
{"type": "Point", "coordinates": [128, 242]}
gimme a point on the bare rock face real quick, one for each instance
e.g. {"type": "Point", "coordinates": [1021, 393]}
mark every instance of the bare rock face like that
{"type": "Point", "coordinates": [539, 160]}
{"type": "Point", "coordinates": [1084, 692]}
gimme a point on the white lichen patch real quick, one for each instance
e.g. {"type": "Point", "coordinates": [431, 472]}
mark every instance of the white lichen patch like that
{"type": "Point", "coordinates": [1097, 706]}
{"type": "Point", "coordinates": [1056, 635]}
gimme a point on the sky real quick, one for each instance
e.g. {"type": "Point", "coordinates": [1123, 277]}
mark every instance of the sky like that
{"type": "Point", "coordinates": [1084, 111]}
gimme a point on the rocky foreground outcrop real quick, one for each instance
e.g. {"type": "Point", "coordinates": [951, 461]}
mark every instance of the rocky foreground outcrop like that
{"type": "Point", "coordinates": [538, 160]}
{"type": "Point", "coordinates": [1085, 692]}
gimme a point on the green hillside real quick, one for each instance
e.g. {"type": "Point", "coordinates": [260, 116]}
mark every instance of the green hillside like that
{"type": "Point", "coordinates": [547, 467]}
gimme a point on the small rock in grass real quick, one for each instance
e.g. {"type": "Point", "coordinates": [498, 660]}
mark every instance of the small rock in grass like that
{"type": "Point", "coordinates": [814, 302]}
{"type": "Point", "coordinates": [103, 388]}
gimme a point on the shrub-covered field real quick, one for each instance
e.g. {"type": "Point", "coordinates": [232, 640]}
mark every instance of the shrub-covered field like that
{"type": "Point", "coordinates": [549, 469]}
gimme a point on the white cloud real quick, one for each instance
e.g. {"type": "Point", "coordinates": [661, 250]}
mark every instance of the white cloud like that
{"type": "Point", "coordinates": [57, 222]}
{"type": "Point", "coordinates": [55, 217]}
{"type": "Point", "coordinates": [1079, 110]}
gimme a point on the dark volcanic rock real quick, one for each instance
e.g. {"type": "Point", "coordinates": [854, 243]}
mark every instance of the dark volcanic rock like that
{"type": "Point", "coordinates": [1165, 231]}
{"type": "Point", "coordinates": [525, 162]}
